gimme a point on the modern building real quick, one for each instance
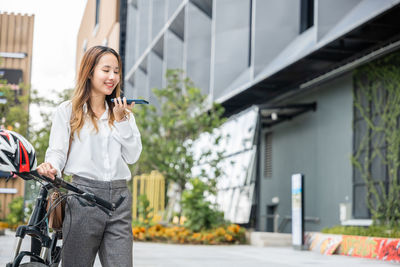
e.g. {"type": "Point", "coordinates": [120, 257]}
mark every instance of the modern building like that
{"type": "Point", "coordinates": [99, 26]}
{"type": "Point", "coordinates": [16, 41]}
{"type": "Point", "coordinates": [284, 68]}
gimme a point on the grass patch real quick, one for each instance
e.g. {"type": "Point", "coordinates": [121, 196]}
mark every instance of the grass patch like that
{"type": "Point", "coordinates": [373, 230]}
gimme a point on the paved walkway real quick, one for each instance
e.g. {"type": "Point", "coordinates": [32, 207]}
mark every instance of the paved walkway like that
{"type": "Point", "coordinates": [165, 255]}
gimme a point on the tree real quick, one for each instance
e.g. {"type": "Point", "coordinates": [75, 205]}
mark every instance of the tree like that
{"type": "Point", "coordinates": [14, 116]}
{"type": "Point", "coordinates": [168, 133]}
{"type": "Point", "coordinates": [14, 110]}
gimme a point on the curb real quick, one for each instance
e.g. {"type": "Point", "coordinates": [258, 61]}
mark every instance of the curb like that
{"type": "Point", "coordinates": [269, 239]}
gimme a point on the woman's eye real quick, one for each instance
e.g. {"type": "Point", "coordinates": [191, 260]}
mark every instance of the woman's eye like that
{"type": "Point", "coordinates": [106, 70]}
{"type": "Point", "coordinates": [116, 72]}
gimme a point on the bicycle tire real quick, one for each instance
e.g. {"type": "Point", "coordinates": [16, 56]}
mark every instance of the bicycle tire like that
{"type": "Point", "coordinates": [33, 264]}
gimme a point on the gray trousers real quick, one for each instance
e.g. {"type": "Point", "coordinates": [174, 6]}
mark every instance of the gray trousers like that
{"type": "Point", "coordinates": [88, 230]}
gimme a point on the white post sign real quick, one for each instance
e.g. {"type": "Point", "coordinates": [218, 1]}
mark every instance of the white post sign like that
{"type": "Point", "coordinates": [297, 211]}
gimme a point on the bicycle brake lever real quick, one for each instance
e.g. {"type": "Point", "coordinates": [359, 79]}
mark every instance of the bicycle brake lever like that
{"type": "Point", "coordinates": [119, 202]}
{"type": "Point", "coordinates": [88, 197]}
{"type": "Point", "coordinates": [83, 204]}
{"type": "Point", "coordinates": [92, 203]}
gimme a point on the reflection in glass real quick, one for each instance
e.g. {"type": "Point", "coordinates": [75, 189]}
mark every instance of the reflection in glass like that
{"type": "Point", "coordinates": [236, 185]}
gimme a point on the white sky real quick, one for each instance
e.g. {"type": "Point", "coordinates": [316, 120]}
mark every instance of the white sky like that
{"type": "Point", "coordinates": [56, 28]}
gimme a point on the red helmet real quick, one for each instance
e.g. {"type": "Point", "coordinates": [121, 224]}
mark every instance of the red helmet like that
{"type": "Point", "coordinates": [16, 153]}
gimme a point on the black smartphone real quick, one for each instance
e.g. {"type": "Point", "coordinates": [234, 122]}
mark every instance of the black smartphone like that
{"type": "Point", "coordinates": [137, 101]}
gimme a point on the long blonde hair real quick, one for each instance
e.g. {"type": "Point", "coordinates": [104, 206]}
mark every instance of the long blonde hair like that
{"type": "Point", "coordinates": [82, 90]}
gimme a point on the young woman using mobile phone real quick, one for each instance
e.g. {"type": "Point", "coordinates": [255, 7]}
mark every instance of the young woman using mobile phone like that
{"type": "Point", "coordinates": [94, 139]}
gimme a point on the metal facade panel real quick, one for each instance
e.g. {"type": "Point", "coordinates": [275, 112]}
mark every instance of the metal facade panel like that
{"type": "Point", "coordinates": [131, 39]}
{"type": "Point", "coordinates": [276, 25]}
{"type": "Point", "coordinates": [141, 85]}
{"type": "Point", "coordinates": [158, 16]}
{"type": "Point", "coordinates": [173, 48]}
{"type": "Point", "coordinates": [144, 25]}
{"type": "Point", "coordinates": [231, 42]}
{"type": "Point", "coordinates": [329, 13]}
{"type": "Point", "coordinates": [198, 48]}
{"type": "Point", "coordinates": [155, 77]}
{"type": "Point", "coordinates": [173, 6]}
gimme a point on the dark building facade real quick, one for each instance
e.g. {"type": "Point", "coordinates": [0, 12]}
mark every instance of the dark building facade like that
{"type": "Point", "coordinates": [284, 71]}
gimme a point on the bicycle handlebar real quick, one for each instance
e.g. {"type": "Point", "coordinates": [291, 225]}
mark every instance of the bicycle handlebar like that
{"type": "Point", "coordinates": [88, 196]}
{"type": "Point", "coordinates": [58, 182]}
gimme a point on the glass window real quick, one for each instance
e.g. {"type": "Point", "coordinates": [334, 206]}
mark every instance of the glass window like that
{"type": "Point", "coordinates": [306, 15]}
{"type": "Point", "coordinates": [236, 185]}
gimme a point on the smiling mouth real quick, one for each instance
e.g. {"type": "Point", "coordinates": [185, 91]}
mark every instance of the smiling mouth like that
{"type": "Point", "coordinates": [109, 84]}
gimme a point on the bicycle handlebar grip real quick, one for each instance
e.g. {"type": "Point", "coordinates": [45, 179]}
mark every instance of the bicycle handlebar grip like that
{"type": "Point", "coordinates": [104, 203]}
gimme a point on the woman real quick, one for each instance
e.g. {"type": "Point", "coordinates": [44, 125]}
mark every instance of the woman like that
{"type": "Point", "coordinates": [93, 140]}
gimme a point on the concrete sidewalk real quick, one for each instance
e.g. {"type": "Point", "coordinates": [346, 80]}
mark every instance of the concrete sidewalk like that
{"type": "Point", "coordinates": [167, 255]}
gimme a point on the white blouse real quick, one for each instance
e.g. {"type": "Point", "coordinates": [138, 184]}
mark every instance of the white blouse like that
{"type": "Point", "coordinates": [101, 155]}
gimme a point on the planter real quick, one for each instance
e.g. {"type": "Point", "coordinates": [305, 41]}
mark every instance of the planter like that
{"type": "Point", "coordinates": [387, 249]}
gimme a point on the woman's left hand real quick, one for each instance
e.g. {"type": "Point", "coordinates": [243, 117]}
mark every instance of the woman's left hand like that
{"type": "Point", "coordinates": [120, 107]}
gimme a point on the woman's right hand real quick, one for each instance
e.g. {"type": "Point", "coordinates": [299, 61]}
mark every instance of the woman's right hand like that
{"type": "Point", "coordinates": [46, 169]}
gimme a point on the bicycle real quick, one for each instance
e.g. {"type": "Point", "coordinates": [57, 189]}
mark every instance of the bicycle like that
{"type": "Point", "coordinates": [44, 249]}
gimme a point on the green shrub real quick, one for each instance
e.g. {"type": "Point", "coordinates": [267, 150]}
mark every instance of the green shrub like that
{"type": "Point", "coordinates": [16, 214]}
{"type": "Point", "coordinates": [200, 213]}
{"type": "Point", "coordinates": [144, 212]}
{"type": "Point", "coordinates": [373, 230]}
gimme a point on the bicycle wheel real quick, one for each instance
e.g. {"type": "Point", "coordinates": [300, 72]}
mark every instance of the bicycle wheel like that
{"type": "Point", "coordinates": [33, 264]}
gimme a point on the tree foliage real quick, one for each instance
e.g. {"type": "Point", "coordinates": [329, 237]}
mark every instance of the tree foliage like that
{"type": "Point", "coordinates": [16, 214]}
{"type": "Point", "coordinates": [14, 113]}
{"type": "Point", "coordinates": [168, 133]}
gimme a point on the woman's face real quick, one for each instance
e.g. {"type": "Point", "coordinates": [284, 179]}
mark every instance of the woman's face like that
{"type": "Point", "coordinates": [105, 75]}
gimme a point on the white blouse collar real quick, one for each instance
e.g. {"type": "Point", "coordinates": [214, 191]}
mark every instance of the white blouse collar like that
{"type": "Point", "coordinates": [105, 114]}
